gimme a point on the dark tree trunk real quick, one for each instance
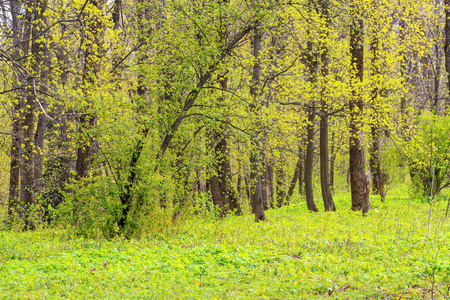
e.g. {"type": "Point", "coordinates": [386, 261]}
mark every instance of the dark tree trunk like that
{"type": "Point", "coordinates": [324, 167]}
{"type": "Point", "coordinates": [26, 158]}
{"type": "Point", "coordinates": [226, 197]}
{"type": "Point", "coordinates": [324, 158]}
{"type": "Point", "coordinates": [332, 163]}
{"type": "Point", "coordinates": [92, 57]}
{"type": "Point", "coordinates": [27, 170]}
{"type": "Point", "coordinates": [447, 45]}
{"type": "Point", "coordinates": [374, 149]}
{"type": "Point", "coordinates": [42, 60]}
{"type": "Point", "coordinates": [256, 153]}
{"type": "Point", "coordinates": [309, 158]}
{"type": "Point", "coordinates": [223, 193]}
{"type": "Point", "coordinates": [358, 180]}
{"type": "Point", "coordinates": [309, 161]}
{"type": "Point", "coordinates": [85, 148]}
{"type": "Point", "coordinates": [403, 99]}
{"type": "Point", "coordinates": [116, 13]}
{"type": "Point", "coordinates": [16, 133]}
{"type": "Point", "coordinates": [281, 182]}
{"type": "Point", "coordinates": [436, 105]}
{"type": "Point", "coordinates": [297, 173]}
{"type": "Point", "coordinates": [301, 172]}
{"type": "Point", "coordinates": [127, 191]}
{"type": "Point", "coordinates": [38, 154]}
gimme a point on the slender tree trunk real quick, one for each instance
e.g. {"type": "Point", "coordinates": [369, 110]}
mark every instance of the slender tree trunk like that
{"type": "Point", "coordinates": [42, 61]}
{"type": "Point", "coordinates": [223, 192]}
{"type": "Point", "coordinates": [281, 182]}
{"type": "Point", "coordinates": [447, 45]}
{"type": "Point", "coordinates": [324, 157]}
{"type": "Point", "coordinates": [374, 149]}
{"type": "Point", "coordinates": [267, 182]}
{"type": "Point", "coordinates": [297, 173]}
{"type": "Point", "coordinates": [116, 13]}
{"type": "Point", "coordinates": [309, 158]}
{"type": "Point", "coordinates": [256, 153]}
{"type": "Point", "coordinates": [309, 161]}
{"type": "Point", "coordinates": [16, 134]}
{"type": "Point", "coordinates": [92, 65]}
{"type": "Point", "coordinates": [301, 169]}
{"type": "Point", "coordinates": [26, 172]}
{"type": "Point", "coordinates": [437, 82]}
{"type": "Point", "coordinates": [332, 170]}
{"type": "Point", "coordinates": [358, 179]}
{"type": "Point", "coordinates": [324, 167]}
{"type": "Point", "coordinates": [25, 160]}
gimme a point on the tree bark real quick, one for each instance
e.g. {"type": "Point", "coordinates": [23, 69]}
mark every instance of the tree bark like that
{"type": "Point", "coordinates": [256, 153]}
{"type": "Point", "coordinates": [92, 65]}
{"type": "Point", "coordinates": [309, 161]}
{"type": "Point", "coordinates": [26, 158]}
{"type": "Point", "coordinates": [309, 158]}
{"type": "Point", "coordinates": [223, 193]}
{"type": "Point", "coordinates": [447, 45]}
{"type": "Point", "coordinates": [374, 149]}
{"type": "Point", "coordinates": [16, 134]}
{"type": "Point", "coordinates": [281, 182]}
{"type": "Point", "coordinates": [324, 157]}
{"type": "Point", "coordinates": [301, 170]}
{"type": "Point", "coordinates": [358, 180]}
{"type": "Point", "coordinates": [297, 173]}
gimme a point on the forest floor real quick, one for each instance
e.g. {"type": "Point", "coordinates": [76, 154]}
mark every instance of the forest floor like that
{"type": "Point", "coordinates": [295, 255]}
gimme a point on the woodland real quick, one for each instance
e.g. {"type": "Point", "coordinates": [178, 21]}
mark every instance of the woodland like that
{"type": "Point", "coordinates": [271, 149]}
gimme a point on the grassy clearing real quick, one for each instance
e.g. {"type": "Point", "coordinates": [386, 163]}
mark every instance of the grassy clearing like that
{"type": "Point", "coordinates": [296, 255]}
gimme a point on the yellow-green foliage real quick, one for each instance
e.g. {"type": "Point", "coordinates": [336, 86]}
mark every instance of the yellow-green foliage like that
{"type": "Point", "coordinates": [295, 255]}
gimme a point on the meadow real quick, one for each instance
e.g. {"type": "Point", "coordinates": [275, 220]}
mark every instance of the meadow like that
{"type": "Point", "coordinates": [295, 255]}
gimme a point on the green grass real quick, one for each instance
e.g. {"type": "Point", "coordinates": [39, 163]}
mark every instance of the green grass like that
{"type": "Point", "coordinates": [295, 255]}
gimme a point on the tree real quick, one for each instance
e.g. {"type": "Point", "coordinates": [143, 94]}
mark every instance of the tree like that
{"type": "Point", "coordinates": [358, 179]}
{"type": "Point", "coordinates": [256, 154]}
{"type": "Point", "coordinates": [324, 157]}
{"type": "Point", "coordinates": [27, 143]}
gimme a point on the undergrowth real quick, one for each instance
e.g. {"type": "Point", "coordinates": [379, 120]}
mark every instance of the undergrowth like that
{"type": "Point", "coordinates": [295, 255]}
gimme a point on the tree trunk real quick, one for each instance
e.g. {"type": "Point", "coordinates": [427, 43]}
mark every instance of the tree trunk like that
{"type": "Point", "coordinates": [281, 182]}
{"type": "Point", "coordinates": [223, 193]}
{"type": "Point", "coordinates": [437, 82]}
{"type": "Point", "coordinates": [447, 45]}
{"type": "Point", "coordinates": [42, 59]}
{"type": "Point", "coordinates": [358, 180]}
{"type": "Point", "coordinates": [256, 153]}
{"type": "Point", "coordinates": [309, 158]}
{"type": "Point", "coordinates": [301, 171]}
{"type": "Point", "coordinates": [309, 161]}
{"type": "Point", "coordinates": [26, 171]}
{"type": "Point", "coordinates": [374, 149]}
{"type": "Point", "coordinates": [14, 207]}
{"type": "Point", "coordinates": [332, 163]}
{"type": "Point", "coordinates": [324, 158]}
{"type": "Point", "coordinates": [26, 156]}
{"type": "Point", "coordinates": [267, 183]}
{"type": "Point", "coordinates": [116, 13]}
{"type": "Point", "coordinates": [92, 64]}
{"type": "Point", "coordinates": [297, 173]}
{"type": "Point", "coordinates": [225, 197]}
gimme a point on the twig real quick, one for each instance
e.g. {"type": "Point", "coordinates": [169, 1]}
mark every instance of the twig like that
{"type": "Point", "coordinates": [38, 102]}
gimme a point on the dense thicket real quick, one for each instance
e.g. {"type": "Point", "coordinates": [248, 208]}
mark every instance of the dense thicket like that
{"type": "Point", "coordinates": [123, 115]}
